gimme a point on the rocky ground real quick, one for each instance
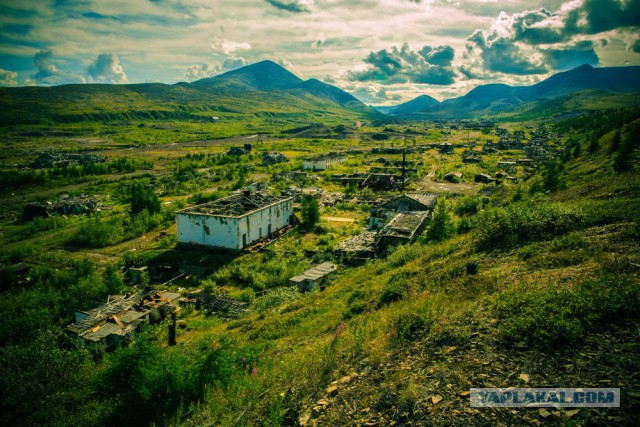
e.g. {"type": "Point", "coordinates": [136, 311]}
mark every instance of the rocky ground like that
{"type": "Point", "coordinates": [427, 383]}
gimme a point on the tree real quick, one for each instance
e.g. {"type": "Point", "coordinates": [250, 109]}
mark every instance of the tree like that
{"type": "Point", "coordinates": [310, 211]}
{"type": "Point", "coordinates": [441, 226]}
{"type": "Point", "coordinates": [577, 150]}
{"type": "Point", "coordinates": [142, 198]}
{"type": "Point", "coordinates": [350, 189]}
{"type": "Point", "coordinates": [552, 175]}
{"type": "Point", "coordinates": [113, 280]}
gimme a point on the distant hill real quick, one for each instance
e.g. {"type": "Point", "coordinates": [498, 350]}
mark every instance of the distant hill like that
{"type": "Point", "coordinates": [264, 88]}
{"type": "Point", "coordinates": [416, 105]}
{"type": "Point", "coordinates": [492, 99]}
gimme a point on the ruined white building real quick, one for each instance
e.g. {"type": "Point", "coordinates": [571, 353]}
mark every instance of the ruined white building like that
{"type": "Point", "coordinates": [323, 162]}
{"type": "Point", "coordinates": [234, 222]}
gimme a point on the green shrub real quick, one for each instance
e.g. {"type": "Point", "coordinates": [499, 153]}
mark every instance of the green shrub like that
{"type": "Point", "coordinates": [554, 318]}
{"type": "Point", "coordinates": [392, 292]}
{"type": "Point", "coordinates": [410, 327]}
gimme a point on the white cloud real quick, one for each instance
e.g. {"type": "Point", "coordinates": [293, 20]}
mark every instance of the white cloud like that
{"type": "Point", "coordinates": [106, 68]}
{"type": "Point", "coordinates": [8, 78]}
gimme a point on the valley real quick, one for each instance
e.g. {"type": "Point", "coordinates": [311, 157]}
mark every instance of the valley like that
{"type": "Point", "coordinates": [493, 247]}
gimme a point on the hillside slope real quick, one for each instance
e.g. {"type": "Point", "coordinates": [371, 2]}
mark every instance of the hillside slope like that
{"type": "Point", "coordinates": [264, 87]}
{"type": "Point", "coordinates": [505, 100]}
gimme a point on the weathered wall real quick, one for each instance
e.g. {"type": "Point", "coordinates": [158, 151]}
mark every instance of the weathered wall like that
{"type": "Point", "coordinates": [256, 224]}
{"type": "Point", "coordinates": [228, 232]}
{"type": "Point", "coordinates": [208, 230]}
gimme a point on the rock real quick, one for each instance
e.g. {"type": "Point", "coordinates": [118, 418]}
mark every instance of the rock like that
{"type": "Point", "coordinates": [304, 419]}
{"type": "Point", "coordinates": [544, 413]}
{"type": "Point", "coordinates": [345, 379]}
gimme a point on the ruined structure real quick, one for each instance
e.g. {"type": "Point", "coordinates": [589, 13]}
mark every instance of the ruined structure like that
{"type": "Point", "coordinates": [315, 277]}
{"type": "Point", "coordinates": [417, 202]}
{"type": "Point", "coordinates": [454, 177]}
{"type": "Point", "coordinates": [323, 162]}
{"type": "Point", "coordinates": [62, 206]}
{"type": "Point", "coordinates": [234, 222]}
{"type": "Point", "coordinates": [446, 148]}
{"type": "Point", "coordinates": [272, 158]}
{"type": "Point", "coordinates": [110, 325]}
{"type": "Point", "coordinates": [404, 228]}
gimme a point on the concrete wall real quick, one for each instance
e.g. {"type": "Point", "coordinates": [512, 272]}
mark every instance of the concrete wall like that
{"type": "Point", "coordinates": [208, 230]}
{"type": "Point", "coordinates": [233, 233]}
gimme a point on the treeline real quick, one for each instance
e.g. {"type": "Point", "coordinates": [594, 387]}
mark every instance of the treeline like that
{"type": "Point", "coordinates": [71, 173]}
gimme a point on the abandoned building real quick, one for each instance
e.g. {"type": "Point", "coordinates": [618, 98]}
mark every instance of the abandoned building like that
{"type": "Point", "coordinates": [63, 206]}
{"type": "Point", "coordinates": [404, 228]}
{"type": "Point", "coordinates": [410, 202]}
{"type": "Point", "coordinates": [507, 165]}
{"type": "Point", "coordinates": [272, 158]}
{"type": "Point", "coordinates": [110, 325]}
{"type": "Point", "coordinates": [323, 162]}
{"type": "Point", "coordinates": [483, 178]}
{"type": "Point", "coordinates": [525, 162]}
{"type": "Point", "coordinates": [237, 151]}
{"type": "Point", "coordinates": [471, 160]}
{"type": "Point", "coordinates": [316, 277]}
{"type": "Point", "coordinates": [234, 222]}
{"type": "Point", "coordinates": [360, 247]}
{"type": "Point", "coordinates": [454, 177]}
{"type": "Point", "coordinates": [446, 148]}
{"type": "Point", "coordinates": [50, 160]}
{"type": "Point", "coordinates": [384, 182]}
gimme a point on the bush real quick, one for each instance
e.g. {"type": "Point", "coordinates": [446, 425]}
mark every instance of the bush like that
{"type": "Point", "coordinates": [392, 292]}
{"type": "Point", "coordinates": [554, 318]}
{"type": "Point", "coordinates": [524, 222]}
{"type": "Point", "coordinates": [410, 327]}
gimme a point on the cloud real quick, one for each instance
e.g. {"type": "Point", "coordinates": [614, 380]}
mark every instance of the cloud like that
{"type": "Point", "coordinates": [428, 66]}
{"type": "Point", "coordinates": [572, 56]}
{"type": "Point", "coordinates": [228, 46]}
{"type": "Point", "coordinates": [48, 73]}
{"type": "Point", "coordinates": [107, 69]}
{"type": "Point", "coordinates": [295, 6]}
{"type": "Point", "coordinates": [200, 71]}
{"type": "Point", "coordinates": [8, 78]}
{"type": "Point", "coordinates": [441, 55]}
{"type": "Point", "coordinates": [596, 16]}
{"type": "Point", "coordinates": [233, 63]}
{"type": "Point", "coordinates": [502, 54]}
{"type": "Point", "coordinates": [319, 41]}
{"type": "Point", "coordinates": [205, 69]}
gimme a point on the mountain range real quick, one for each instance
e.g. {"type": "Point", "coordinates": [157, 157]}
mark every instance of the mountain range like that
{"type": "Point", "coordinates": [266, 90]}
{"type": "Point", "coordinates": [585, 83]}
{"type": "Point", "coordinates": [263, 89]}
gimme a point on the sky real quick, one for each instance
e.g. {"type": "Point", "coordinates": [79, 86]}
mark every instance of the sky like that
{"type": "Point", "coordinates": [382, 51]}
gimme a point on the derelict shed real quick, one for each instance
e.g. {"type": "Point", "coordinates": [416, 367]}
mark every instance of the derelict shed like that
{"type": "Point", "coordinates": [234, 222]}
{"type": "Point", "coordinates": [314, 277]}
{"type": "Point", "coordinates": [405, 227]}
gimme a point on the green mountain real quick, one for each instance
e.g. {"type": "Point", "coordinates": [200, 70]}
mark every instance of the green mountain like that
{"type": "Point", "coordinates": [416, 105]}
{"type": "Point", "coordinates": [264, 88]}
{"type": "Point", "coordinates": [505, 100]}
